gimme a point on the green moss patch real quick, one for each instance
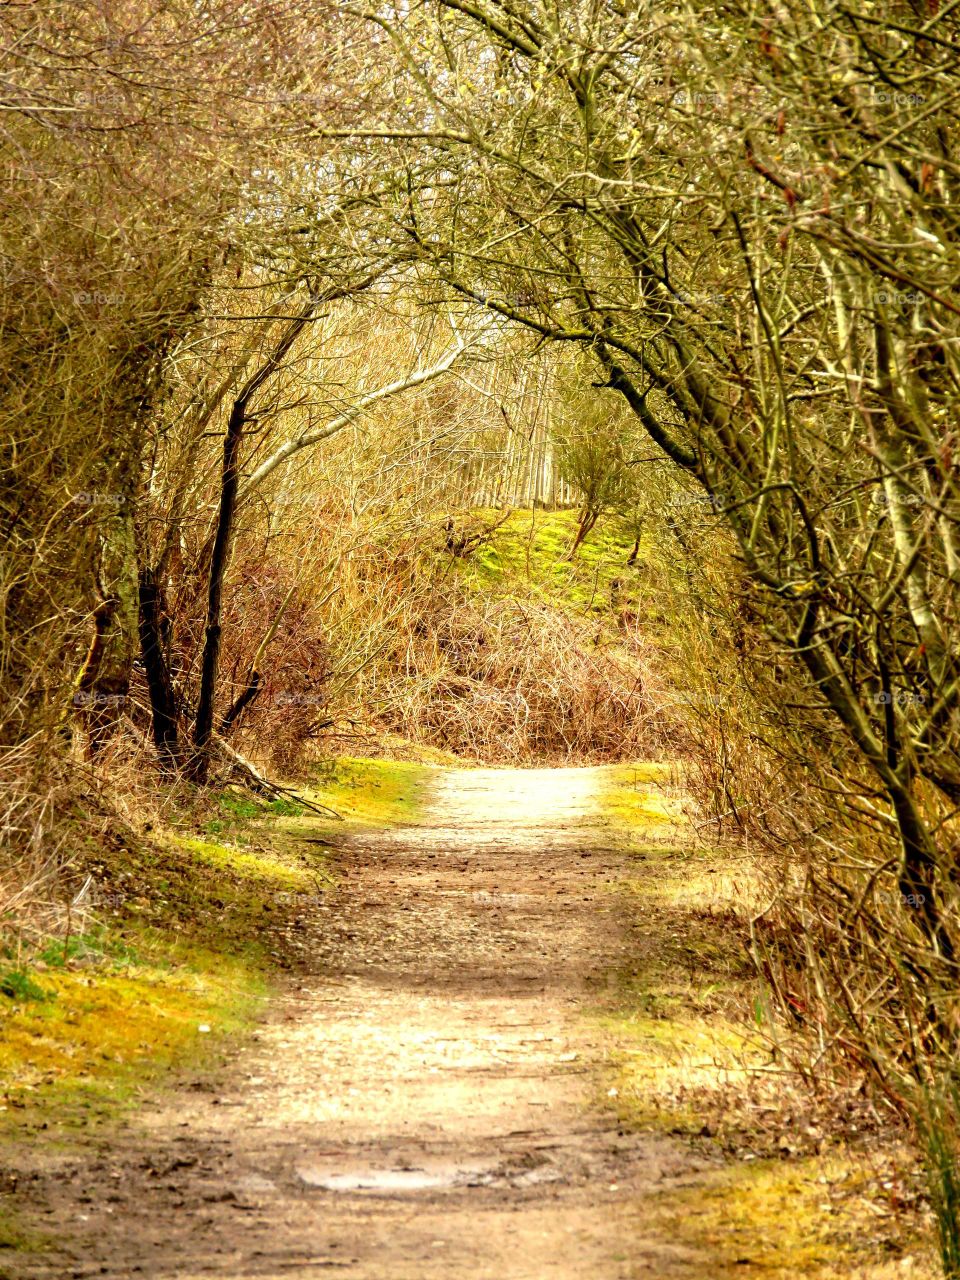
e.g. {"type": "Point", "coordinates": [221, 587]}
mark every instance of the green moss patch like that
{"type": "Point", "coordinates": [13, 1237]}
{"type": "Point", "coordinates": [371, 792]}
{"type": "Point", "coordinates": [175, 943]}
{"type": "Point", "coordinates": [637, 799]}
{"type": "Point", "coordinates": [528, 554]}
{"type": "Point", "coordinates": [263, 867]}
{"type": "Point", "coordinates": [170, 950]}
{"type": "Point", "coordinates": [105, 1027]}
{"type": "Point", "coordinates": [824, 1217]}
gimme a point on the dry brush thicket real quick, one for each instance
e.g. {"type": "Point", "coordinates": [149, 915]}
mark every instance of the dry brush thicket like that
{"type": "Point", "coordinates": [351, 616]}
{"type": "Point", "coordinates": [134, 140]}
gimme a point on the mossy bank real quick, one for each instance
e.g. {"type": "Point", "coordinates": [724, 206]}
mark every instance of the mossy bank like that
{"type": "Point", "coordinates": [174, 942]}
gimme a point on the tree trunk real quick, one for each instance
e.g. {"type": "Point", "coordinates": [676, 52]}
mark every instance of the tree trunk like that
{"type": "Point", "coordinates": [223, 538]}
{"type": "Point", "coordinates": [104, 684]}
{"type": "Point", "coordinates": [203, 728]}
{"type": "Point", "coordinates": [163, 703]}
{"type": "Point", "coordinates": [588, 518]}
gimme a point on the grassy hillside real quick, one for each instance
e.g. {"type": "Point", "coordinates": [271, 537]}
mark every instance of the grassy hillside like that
{"type": "Point", "coordinates": [527, 556]}
{"type": "Point", "coordinates": [484, 640]}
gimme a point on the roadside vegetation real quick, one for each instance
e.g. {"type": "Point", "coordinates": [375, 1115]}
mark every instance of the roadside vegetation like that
{"type": "Point", "coordinates": [792, 1185]}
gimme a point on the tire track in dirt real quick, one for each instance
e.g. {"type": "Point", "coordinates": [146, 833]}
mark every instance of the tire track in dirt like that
{"type": "Point", "coordinates": [427, 1104]}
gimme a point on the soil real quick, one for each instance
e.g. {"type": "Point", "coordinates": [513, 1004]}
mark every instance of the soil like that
{"type": "Point", "coordinates": [428, 1100]}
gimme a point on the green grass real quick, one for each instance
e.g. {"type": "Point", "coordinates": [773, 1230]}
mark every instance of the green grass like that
{"type": "Point", "coordinates": [234, 813]}
{"type": "Point", "coordinates": [682, 1011]}
{"type": "Point", "coordinates": [683, 1027]}
{"type": "Point", "coordinates": [13, 1238]}
{"type": "Point", "coordinates": [105, 1031]}
{"type": "Point", "coordinates": [370, 792]}
{"type": "Point", "coordinates": [18, 985]}
{"type": "Point", "coordinates": [528, 554]}
{"type": "Point", "coordinates": [173, 961]}
{"type": "Point", "coordinates": [257, 868]}
{"type": "Point", "coordinates": [818, 1216]}
{"type": "Point", "coordinates": [634, 800]}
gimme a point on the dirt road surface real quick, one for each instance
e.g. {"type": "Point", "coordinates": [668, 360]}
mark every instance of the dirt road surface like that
{"type": "Point", "coordinates": [429, 1103]}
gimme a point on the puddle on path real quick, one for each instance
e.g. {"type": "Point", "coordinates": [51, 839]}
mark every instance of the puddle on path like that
{"type": "Point", "coordinates": [392, 1181]}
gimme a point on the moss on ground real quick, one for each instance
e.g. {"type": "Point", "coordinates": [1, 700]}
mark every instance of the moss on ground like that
{"type": "Point", "coordinates": [370, 792]}
{"type": "Point", "coordinates": [690, 1061]}
{"type": "Point", "coordinates": [175, 945]}
{"type": "Point", "coordinates": [637, 799]}
{"type": "Point", "coordinates": [269, 868]}
{"type": "Point", "coordinates": [527, 554]}
{"type": "Point", "coordinates": [683, 1006]}
{"type": "Point", "coordinates": [166, 956]}
{"type": "Point", "coordinates": [14, 1238]}
{"type": "Point", "coordinates": [104, 1030]}
{"type": "Point", "coordinates": [818, 1216]}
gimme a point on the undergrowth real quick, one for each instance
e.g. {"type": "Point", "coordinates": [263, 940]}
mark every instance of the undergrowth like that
{"type": "Point", "coordinates": [508, 652]}
{"type": "Point", "coordinates": [810, 1186]}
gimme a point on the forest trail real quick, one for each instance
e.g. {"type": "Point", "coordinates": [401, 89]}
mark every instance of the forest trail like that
{"type": "Point", "coordinates": [431, 1103]}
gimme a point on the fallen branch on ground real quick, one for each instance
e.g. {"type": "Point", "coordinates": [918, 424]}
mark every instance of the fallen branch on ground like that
{"type": "Point", "coordinates": [253, 779]}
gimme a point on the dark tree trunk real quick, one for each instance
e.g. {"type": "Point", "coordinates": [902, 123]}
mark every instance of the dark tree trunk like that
{"type": "Point", "coordinates": [252, 690]}
{"type": "Point", "coordinates": [203, 728]}
{"type": "Point", "coordinates": [220, 554]}
{"type": "Point", "coordinates": [97, 695]}
{"type": "Point", "coordinates": [588, 518]}
{"type": "Point", "coordinates": [163, 703]}
{"type": "Point", "coordinates": [104, 686]}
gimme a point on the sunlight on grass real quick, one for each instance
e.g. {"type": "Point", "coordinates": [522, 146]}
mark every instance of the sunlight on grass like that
{"type": "Point", "coordinates": [371, 792]}
{"type": "Point", "coordinates": [101, 1031]}
{"type": "Point", "coordinates": [258, 866]}
{"type": "Point", "coordinates": [173, 960]}
{"type": "Point", "coordinates": [178, 960]}
{"type": "Point", "coordinates": [814, 1217]}
{"type": "Point", "coordinates": [529, 552]}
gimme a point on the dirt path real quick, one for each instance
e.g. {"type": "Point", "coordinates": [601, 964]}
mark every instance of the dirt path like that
{"type": "Point", "coordinates": [430, 1104]}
